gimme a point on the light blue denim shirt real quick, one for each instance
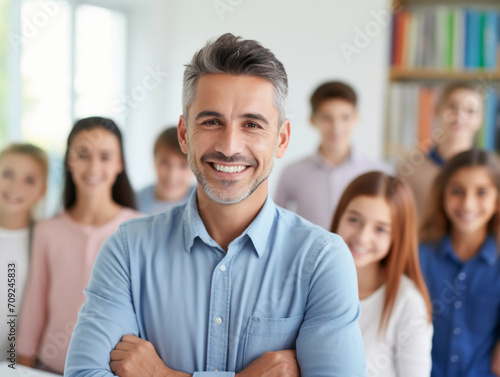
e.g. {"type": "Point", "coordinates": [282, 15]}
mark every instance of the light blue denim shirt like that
{"type": "Point", "coordinates": [284, 283]}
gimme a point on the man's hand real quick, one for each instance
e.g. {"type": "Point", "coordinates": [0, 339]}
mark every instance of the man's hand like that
{"type": "Point", "coordinates": [495, 360]}
{"type": "Point", "coordinates": [134, 357]}
{"type": "Point", "coordinates": [273, 364]}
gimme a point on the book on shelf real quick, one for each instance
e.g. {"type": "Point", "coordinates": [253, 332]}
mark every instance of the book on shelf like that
{"type": "Point", "coordinates": [412, 117]}
{"type": "Point", "coordinates": [446, 38]}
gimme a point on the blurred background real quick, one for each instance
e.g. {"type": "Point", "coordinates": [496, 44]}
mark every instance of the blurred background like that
{"type": "Point", "coordinates": [123, 59]}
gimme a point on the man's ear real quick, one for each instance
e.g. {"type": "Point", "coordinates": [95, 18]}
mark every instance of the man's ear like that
{"type": "Point", "coordinates": [283, 139]}
{"type": "Point", "coordinates": [182, 134]}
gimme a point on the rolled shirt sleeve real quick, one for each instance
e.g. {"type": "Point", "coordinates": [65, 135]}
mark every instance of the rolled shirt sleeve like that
{"type": "Point", "coordinates": [330, 341]}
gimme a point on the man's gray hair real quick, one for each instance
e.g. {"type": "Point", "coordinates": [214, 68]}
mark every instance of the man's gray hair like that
{"type": "Point", "coordinates": [236, 56]}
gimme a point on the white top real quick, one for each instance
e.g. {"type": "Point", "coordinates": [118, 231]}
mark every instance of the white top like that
{"type": "Point", "coordinates": [14, 248]}
{"type": "Point", "coordinates": [406, 349]}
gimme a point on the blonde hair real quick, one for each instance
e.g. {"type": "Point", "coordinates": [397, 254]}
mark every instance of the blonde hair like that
{"type": "Point", "coordinates": [453, 86]}
{"type": "Point", "coordinates": [27, 149]}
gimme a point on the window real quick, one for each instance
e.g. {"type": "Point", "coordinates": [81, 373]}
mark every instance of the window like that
{"type": "Point", "coordinates": [100, 62]}
{"type": "Point", "coordinates": [72, 59]}
{"type": "Point", "coordinates": [4, 11]}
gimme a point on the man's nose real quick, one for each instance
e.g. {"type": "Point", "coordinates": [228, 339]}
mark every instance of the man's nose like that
{"type": "Point", "coordinates": [230, 140]}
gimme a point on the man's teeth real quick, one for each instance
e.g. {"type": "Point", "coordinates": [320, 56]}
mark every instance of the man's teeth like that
{"type": "Point", "coordinates": [229, 169]}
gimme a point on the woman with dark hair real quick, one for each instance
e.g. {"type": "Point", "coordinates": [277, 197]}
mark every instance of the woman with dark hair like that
{"type": "Point", "coordinates": [98, 197]}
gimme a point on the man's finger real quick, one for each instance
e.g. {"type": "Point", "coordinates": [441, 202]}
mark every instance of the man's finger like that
{"type": "Point", "coordinates": [114, 365]}
{"type": "Point", "coordinates": [129, 338]}
{"type": "Point", "coordinates": [122, 346]}
{"type": "Point", "coordinates": [117, 355]}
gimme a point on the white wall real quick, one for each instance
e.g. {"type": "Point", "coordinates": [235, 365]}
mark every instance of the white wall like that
{"type": "Point", "coordinates": [305, 37]}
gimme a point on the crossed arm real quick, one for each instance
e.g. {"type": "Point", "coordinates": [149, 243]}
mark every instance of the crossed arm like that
{"type": "Point", "coordinates": [134, 357]}
{"type": "Point", "coordinates": [329, 341]}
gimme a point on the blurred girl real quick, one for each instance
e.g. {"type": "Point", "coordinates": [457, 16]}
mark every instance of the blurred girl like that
{"type": "Point", "coordinates": [459, 115]}
{"type": "Point", "coordinates": [23, 176]}
{"type": "Point", "coordinates": [97, 198]}
{"type": "Point", "coordinates": [461, 266]}
{"type": "Point", "coordinates": [376, 218]}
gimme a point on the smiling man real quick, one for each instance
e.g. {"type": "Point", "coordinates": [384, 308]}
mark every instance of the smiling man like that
{"type": "Point", "coordinates": [228, 283]}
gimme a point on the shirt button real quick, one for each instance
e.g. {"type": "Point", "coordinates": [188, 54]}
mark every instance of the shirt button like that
{"type": "Point", "coordinates": [458, 304]}
{"type": "Point", "coordinates": [454, 358]}
{"type": "Point", "coordinates": [457, 330]}
{"type": "Point", "coordinates": [218, 320]}
{"type": "Point", "coordinates": [462, 276]}
{"type": "Point", "coordinates": [222, 268]}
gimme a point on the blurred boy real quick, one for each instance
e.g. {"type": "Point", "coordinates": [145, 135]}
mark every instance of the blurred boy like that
{"type": "Point", "coordinates": [174, 177]}
{"type": "Point", "coordinates": [313, 186]}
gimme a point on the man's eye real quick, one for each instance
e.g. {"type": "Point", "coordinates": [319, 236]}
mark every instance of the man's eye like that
{"type": "Point", "coordinates": [252, 125]}
{"type": "Point", "coordinates": [211, 122]}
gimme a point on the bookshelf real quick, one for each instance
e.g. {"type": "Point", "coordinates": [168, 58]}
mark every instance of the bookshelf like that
{"type": "Point", "coordinates": [434, 42]}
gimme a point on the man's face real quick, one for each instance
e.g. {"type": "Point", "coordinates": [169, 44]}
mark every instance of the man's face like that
{"type": "Point", "coordinates": [232, 137]}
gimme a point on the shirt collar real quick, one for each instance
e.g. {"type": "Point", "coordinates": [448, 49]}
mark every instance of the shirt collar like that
{"type": "Point", "coordinates": [488, 252]}
{"type": "Point", "coordinates": [258, 231]}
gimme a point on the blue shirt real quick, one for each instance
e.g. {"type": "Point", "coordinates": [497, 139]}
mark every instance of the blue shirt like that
{"type": "Point", "coordinates": [436, 157]}
{"type": "Point", "coordinates": [148, 203]}
{"type": "Point", "coordinates": [284, 283]}
{"type": "Point", "coordinates": [466, 307]}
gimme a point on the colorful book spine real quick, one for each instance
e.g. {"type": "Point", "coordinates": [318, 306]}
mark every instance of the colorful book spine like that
{"type": "Point", "coordinates": [412, 117]}
{"type": "Point", "coordinates": [491, 103]}
{"type": "Point", "coordinates": [450, 23]}
{"type": "Point", "coordinates": [451, 38]}
{"type": "Point", "coordinates": [491, 36]}
{"type": "Point", "coordinates": [424, 115]}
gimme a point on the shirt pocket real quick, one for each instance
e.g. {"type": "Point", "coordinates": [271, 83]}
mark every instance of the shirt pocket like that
{"type": "Point", "coordinates": [269, 334]}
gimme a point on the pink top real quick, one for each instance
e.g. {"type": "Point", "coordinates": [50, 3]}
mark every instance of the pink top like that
{"type": "Point", "coordinates": [62, 257]}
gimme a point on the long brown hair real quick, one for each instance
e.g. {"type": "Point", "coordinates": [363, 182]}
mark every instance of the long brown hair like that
{"type": "Point", "coordinates": [122, 191]}
{"type": "Point", "coordinates": [435, 222]}
{"type": "Point", "coordinates": [403, 253]}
